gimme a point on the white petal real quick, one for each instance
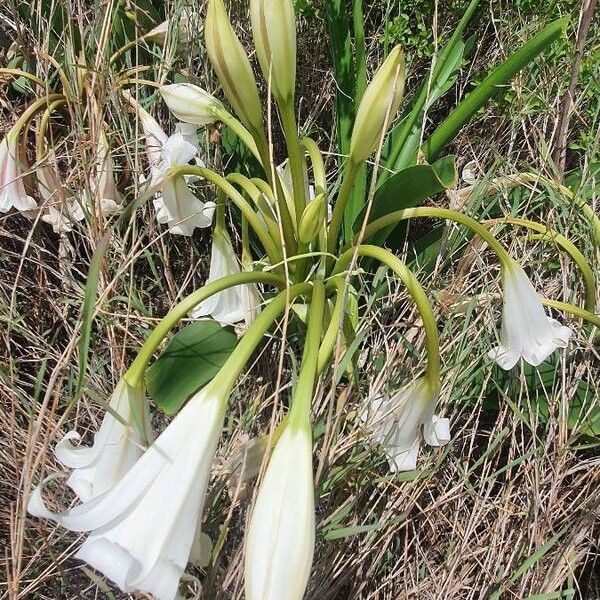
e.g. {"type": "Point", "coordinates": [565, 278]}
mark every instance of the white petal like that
{"type": "Point", "coordinates": [403, 459]}
{"type": "Point", "coordinates": [527, 331]}
{"type": "Point", "coordinates": [190, 103]}
{"type": "Point", "coordinates": [201, 549]}
{"type": "Point", "coordinates": [281, 534]}
{"type": "Point", "coordinates": [504, 357]}
{"type": "Point", "coordinates": [437, 431]}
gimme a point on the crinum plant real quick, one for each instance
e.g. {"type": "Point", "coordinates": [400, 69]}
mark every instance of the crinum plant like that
{"type": "Point", "coordinates": [143, 507]}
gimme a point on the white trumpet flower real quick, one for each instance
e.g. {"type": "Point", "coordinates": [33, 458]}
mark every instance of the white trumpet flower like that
{"type": "Point", "coordinates": [239, 303]}
{"type": "Point", "coordinates": [144, 528]}
{"type": "Point", "coordinates": [103, 184]}
{"type": "Point", "coordinates": [281, 535]}
{"type": "Point", "coordinates": [191, 104]}
{"type": "Point", "coordinates": [12, 188]}
{"type": "Point", "coordinates": [527, 331]}
{"type": "Point", "coordinates": [59, 208]}
{"type": "Point", "coordinates": [176, 206]}
{"type": "Point", "coordinates": [396, 423]}
{"type": "Point", "coordinates": [120, 441]}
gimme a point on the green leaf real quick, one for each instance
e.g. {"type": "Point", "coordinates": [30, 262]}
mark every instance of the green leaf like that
{"type": "Point", "coordinates": [493, 84]}
{"type": "Point", "coordinates": [344, 67]}
{"type": "Point", "coordinates": [87, 310]}
{"type": "Point", "coordinates": [408, 188]}
{"type": "Point", "coordinates": [190, 360]}
{"type": "Point", "coordinates": [402, 144]}
{"type": "Point", "coordinates": [343, 532]}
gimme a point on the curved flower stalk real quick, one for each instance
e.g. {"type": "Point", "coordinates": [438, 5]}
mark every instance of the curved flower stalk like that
{"type": "Point", "coordinates": [397, 422]}
{"type": "Point", "coordinates": [12, 188]}
{"type": "Point", "coordinates": [280, 538]}
{"type": "Point", "coordinates": [143, 528]}
{"type": "Point", "coordinates": [120, 441]}
{"type": "Point", "coordinates": [234, 304]}
{"type": "Point", "coordinates": [527, 331]}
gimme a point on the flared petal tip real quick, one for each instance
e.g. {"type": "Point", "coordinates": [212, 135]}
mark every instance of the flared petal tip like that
{"type": "Point", "coordinates": [437, 433]}
{"type": "Point", "coordinates": [160, 578]}
{"type": "Point", "coordinates": [403, 459]}
{"type": "Point", "coordinates": [562, 333]}
{"type": "Point", "coordinates": [504, 357]}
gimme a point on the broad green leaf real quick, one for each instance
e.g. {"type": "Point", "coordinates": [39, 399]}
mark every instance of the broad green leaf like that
{"type": "Point", "coordinates": [408, 188]}
{"type": "Point", "coordinates": [191, 359]}
{"type": "Point", "coordinates": [500, 77]}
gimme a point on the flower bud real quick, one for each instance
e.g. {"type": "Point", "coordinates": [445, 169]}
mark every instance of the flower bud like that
{"type": "Point", "coordinates": [280, 538]}
{"type": "Point", "coordinates": [312, 220]}
{"type": "Point", "coordinates": [274, 33]}
{"type": "Point", "coordinates": [384, 93]}
{"type": "Point", "coordinates": [230, 61]}
{"type": "Point", "coordinates": [191, 104]}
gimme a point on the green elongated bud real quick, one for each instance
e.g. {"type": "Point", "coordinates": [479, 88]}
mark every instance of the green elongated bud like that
{"type": "Point", "coordinates": [385, 92]}
{"type": "Point", "coordinates": [230, 62]}
{"type": "Point", "coordinates": [274, 33]}
{"type": "Point", "coordinates": [312, 220]}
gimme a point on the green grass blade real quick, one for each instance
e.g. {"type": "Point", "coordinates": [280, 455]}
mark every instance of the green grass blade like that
{"type": "Point", "coordinates": [343, 64]}
{"type": "Point", "coordinates": [87, 311]}
{"type": "Point", "coordinates": [402, 139]}
{"type": "Point", "coordinates": [448, 129]}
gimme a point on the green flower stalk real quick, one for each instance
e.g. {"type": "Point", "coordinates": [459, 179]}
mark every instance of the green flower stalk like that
{"type": "Point", "coordinates": [415, 289]}
{"type": "Point", "coordinates": [527, 332]}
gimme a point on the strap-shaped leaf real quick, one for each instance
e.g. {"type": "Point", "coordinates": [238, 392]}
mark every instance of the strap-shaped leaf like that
{"type": "Point", "coordinates": [491, 85]}
{"type": "Point", "coordinates": [403, 141]}
{"type": "Point", "coordinates": [191, 359]}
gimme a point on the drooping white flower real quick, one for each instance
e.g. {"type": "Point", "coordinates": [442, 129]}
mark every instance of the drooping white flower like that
{"type": "Point", "coordinates": [527, 331]}
{"type": "Point", "coordinates": [144, 528]}
{"type": "Point", "coordinates": [104, 189]}
{"type": "Point", "coordinates": [396, 422]}
{"type": "Point", "coordinates": [120, 441]}
{"type": "Point", "coordinates": [280, 538]}
{"type": "Point", "coordinates": [176, 205]}
{"type": "Point", "coordinates": [12, 188]}
{"type": "Point", "coordinates": [59, 209]}
{"type": "Point", "coordinates": [191, 104]}
{"type": "Point", "coordinates": [239, 303]}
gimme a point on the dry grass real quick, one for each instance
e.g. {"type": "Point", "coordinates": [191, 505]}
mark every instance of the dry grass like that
{"type": "Point", "coordinates": [508, 510]}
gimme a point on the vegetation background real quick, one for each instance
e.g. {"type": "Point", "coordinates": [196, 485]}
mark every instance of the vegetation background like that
{"type": "Point", "coordinates": [508, 510]}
